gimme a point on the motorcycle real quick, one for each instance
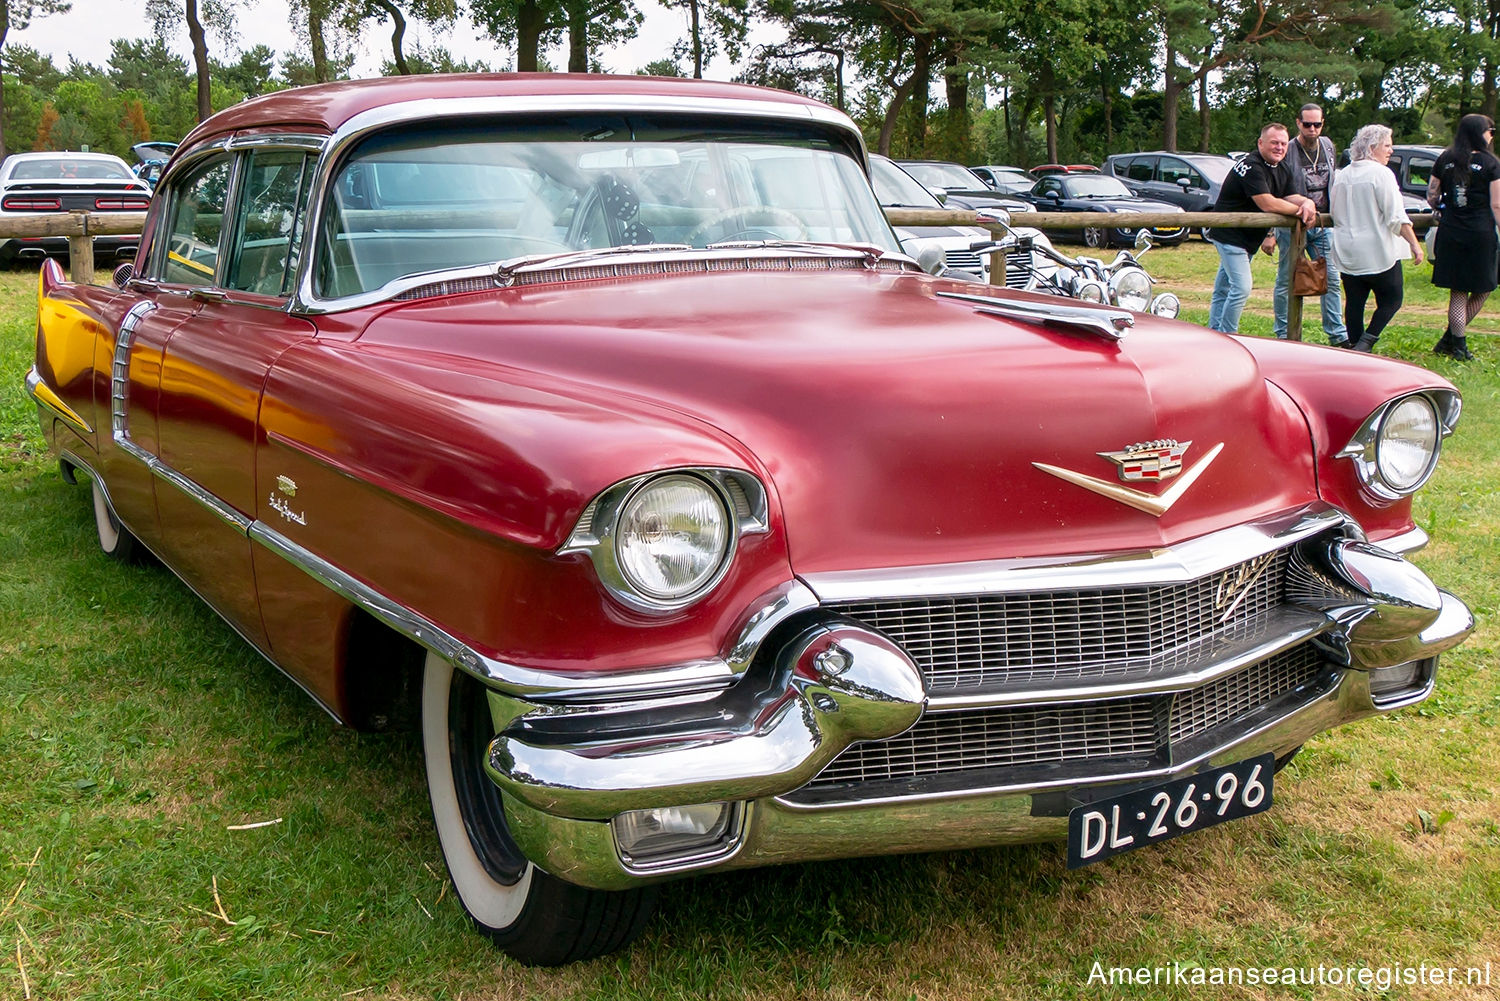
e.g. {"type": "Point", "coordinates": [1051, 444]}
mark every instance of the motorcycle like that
{"type": "Point", "coordinates": [1032, 264]}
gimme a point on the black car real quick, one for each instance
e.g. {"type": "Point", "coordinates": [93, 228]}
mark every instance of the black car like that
{"type": "Point", "coordinates": [958, 187]}
{"type": "Point", "coordinates": [1101, 193]}
{"type": "Point", "coordinates": [1191, 180]}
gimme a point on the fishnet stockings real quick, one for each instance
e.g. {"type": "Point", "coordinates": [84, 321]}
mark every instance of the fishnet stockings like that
{"type": "Point", "coordinates": [1462, 308]}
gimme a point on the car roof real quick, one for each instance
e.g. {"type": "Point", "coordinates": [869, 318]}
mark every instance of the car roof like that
{"type": "Point", "coordinates": [1171, 152]}
{"type": "Point", "coordinates": [64, 154]}
{"type": "Point", "coordinates": [324, 108]}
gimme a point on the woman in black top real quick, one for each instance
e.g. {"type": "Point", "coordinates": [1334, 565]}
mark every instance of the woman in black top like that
{"type": "Point", "coordinates": [1465, 189]}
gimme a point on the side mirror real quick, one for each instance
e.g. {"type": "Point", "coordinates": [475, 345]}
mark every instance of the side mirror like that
{"type": "Point", "coordinates": [941, 194]}
{"type": "Point", "coordinates": [1142, 241]}
{"type": "Point", "coordinates": [1184, 183]}
{"type": "Point", "coordinates": [1054, 196]}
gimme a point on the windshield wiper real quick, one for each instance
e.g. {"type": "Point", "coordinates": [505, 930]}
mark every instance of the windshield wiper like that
{"type": "Point", "coordinates": [564, 258]}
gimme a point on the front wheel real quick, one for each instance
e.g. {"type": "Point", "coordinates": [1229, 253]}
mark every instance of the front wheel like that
{"type": "Point", "coordinates": [114, 538]}
{"type": "Point", "coordinates": [532, 916]}
{"type": "Point", "coordinates": [1094, 237]}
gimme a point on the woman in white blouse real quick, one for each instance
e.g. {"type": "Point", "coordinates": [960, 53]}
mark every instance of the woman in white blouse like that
{"type": "Point", "coordinates": [1369, 227]}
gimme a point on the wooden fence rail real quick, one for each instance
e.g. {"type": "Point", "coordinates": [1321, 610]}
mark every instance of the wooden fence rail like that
{"type": "Point", "coordinates": [81, 227]}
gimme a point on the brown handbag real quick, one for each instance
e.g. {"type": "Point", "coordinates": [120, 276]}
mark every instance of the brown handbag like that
{"type": "Point", "coordinates": [1310, 276]}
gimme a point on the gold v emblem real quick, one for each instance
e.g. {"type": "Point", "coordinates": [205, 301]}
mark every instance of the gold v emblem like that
{"type": "Point", "coordinates": [1152, 504]}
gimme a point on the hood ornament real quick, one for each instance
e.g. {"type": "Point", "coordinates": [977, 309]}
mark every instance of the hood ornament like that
{"type": "Point", "coordinates": [1142, 462]}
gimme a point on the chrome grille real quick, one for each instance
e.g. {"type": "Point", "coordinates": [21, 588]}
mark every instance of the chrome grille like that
{"type": "Point", "coordinates": [971, 643]}
{"type": "Point", "coordinates": [1000, 738]}
{"type": "Point", "coordinates": [1200, 710]}
{"type": "Point", "coordinates": [1070, 735]}
{"type": "Point", "coordinates": [966, 260]}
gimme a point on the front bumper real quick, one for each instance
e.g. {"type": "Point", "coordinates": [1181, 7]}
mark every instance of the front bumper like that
{"type": "Point", "coordinates": [824, 684]}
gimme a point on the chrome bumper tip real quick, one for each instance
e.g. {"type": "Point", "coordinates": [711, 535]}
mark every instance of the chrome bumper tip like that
{"type": "Point", "coordinates": [831, 685]}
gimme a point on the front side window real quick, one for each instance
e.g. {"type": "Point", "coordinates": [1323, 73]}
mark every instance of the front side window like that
{"type": "Point", "coordinates": [270, 222]}
{"type": "Point", "coordinates": [426, 199]}
{"type": "Point", "coordinates": [1419, 171]}
{"type": "Point", "coordinates": [196, 224]}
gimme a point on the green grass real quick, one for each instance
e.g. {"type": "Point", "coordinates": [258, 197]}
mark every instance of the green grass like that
{"type": "Point", "coordinates": [137, 728]}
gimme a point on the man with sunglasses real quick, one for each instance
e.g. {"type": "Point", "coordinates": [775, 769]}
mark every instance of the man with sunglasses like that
{"type": "Point", "coordinates": [1311, 157]}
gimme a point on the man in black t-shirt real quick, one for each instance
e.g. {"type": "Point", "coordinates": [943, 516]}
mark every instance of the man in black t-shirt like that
{"type": "Point", "coordinates": [1311, 157]}
{"type": "Point", "coordinates": [1260, 182]}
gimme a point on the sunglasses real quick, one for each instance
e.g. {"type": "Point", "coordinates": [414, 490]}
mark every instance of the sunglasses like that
{"type": "Point", "coordinates": [1311, 125]}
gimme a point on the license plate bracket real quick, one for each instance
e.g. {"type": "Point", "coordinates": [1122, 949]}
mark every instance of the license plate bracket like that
{"type": "Point", "coordinates": [1141, 817]}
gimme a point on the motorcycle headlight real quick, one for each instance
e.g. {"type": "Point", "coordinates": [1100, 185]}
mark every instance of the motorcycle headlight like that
{"type": "Point", "coordinates": [1396, 450]}
{"type": "Point", "coordinates": [1131, 288]}
{"type": "Point", "coordinates": [1167, 305]}
{"type": "Point", "coordinates": [672, 538]}
{"type": "Point", "coordinates": [1090, 291]}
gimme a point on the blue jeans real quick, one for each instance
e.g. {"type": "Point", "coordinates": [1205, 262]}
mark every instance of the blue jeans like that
{"type": "Point", "coordinates": [1231, 288]}
{"type": "Point", "coordinates": [1319, 244]}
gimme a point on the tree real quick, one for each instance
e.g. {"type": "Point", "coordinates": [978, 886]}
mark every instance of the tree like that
{"type": "Point", "coordinates": [209, 15]}
{"type": "Point", "coordinates": [711, 24]}
{"type": "Point", "coordinates": [439, 14]}
{"type": "Point", "coordinates": [530, 24]}
{"type": "Point", "coordinates": [19, 14]}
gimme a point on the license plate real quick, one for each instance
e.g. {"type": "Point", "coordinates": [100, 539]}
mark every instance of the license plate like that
{"type": "Point", "coordinates": [1146, 816]}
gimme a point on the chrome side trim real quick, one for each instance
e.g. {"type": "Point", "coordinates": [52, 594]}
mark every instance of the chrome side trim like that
{"type": "Point", "coordinates": [229, 515]}
{"type": "Point", "coordinates": [305, 301]}
{"type": "Point", "coordinates": [1171, 565]}
{"type": "Point", "coordinates": [43, 395]}
{"type": "Point", "coordinates": [540, 686]}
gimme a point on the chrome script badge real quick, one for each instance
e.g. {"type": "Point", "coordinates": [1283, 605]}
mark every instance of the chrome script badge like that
{"type": "Point", "coordinates": [1151, 468]}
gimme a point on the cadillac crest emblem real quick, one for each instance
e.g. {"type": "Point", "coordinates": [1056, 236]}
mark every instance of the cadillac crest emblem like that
{"type": "Point", "coordinates": [1151, 461]}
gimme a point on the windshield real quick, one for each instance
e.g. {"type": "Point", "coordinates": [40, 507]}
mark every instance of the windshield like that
{"type": "Point", "coordinates": [894, 186]}
{"type": "Point", "coordinates": [421, 200]}
{"type": "Point", "coordinates": [1093, 186]}
{"type": "Point", "coordinates": [944, 175]}
{"type": "Point", "coordinates": [71, 168]}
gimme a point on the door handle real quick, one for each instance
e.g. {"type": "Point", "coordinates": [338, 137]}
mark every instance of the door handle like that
{"type": "Point", "coordinates": [209, 294]}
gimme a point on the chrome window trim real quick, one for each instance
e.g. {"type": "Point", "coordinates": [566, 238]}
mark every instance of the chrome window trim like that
{"type": "Point", "coordinates": [306, 302]}
{"type": "Point", "coordinates": [1175, 564]}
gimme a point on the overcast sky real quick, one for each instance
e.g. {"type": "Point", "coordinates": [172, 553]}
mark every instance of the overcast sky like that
{"type": "Point", "coordinates": [86, 31]}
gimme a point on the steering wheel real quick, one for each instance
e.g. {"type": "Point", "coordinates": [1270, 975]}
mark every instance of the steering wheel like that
{"type": "Point", "coordinates": [747, 216]}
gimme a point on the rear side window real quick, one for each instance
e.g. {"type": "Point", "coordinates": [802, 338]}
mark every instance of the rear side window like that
{"type": "Point", "coordinates": [197, 223]}
{"type": "Point", "coordinates": [270, 231]}
{"type": "Point", "coordinates": [1141, 168]}
{"type": "Point", "coordinates": [1419, 171]}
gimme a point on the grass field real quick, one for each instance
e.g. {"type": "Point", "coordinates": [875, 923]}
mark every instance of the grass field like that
{"type": "Point", "coordinates": [137, 731]}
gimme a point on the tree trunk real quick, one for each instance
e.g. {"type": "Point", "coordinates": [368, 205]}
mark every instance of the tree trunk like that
{"type": "Point", "coordinates": [397, 56]}
{"type": "Point", "coordinates": [200, 59]}
{"type": "Point", "coordinates": [530, 23]}
{"type": "Point", "coordinates": [1049, 110]}
{"type": "Point", "coordinates": [578, 36]}
{"type": "Point", "coordinates": [960, 129]}
{"type": "Point", "coordinates": [1169, 91]}
{"type": "Point", "coordinates": [4, 30]}
{"type": "Point", "coordinates": [838, 79]}
{"type": "Point", "coordinates": [899, 97]}
{"type": "Point", "coordinates": [1204, 119]}
{"type": "Point", "coordinates": [1107, 97]}
{"type": "Point", "coordinates": [315, 40]}
{"type": "Point", "coordinates": [695, 26]}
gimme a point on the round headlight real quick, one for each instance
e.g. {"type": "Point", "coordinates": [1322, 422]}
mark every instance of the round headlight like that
{"type": "Point", "coordinates": [1132, 288]}
{"type": "Point", "coordinates": [672, 538]}
{"type": "Point", "coordinates": [1089, 291]}
{"type": "Point", "coordinates": [1167, 305]}
{"type": "Point", "coordinates": [1407, 445]}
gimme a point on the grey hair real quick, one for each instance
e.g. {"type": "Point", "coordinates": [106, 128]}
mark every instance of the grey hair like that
{"type": "Point", "coordinates": [1365, 141]}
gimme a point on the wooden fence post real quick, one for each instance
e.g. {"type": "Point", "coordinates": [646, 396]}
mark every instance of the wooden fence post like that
{"type": "Point", "coordinates": [997, 266]}
{"type": "Point", "coordinates": [1296, 247]}
{"type": "Point", "coordinates": [81, 252]}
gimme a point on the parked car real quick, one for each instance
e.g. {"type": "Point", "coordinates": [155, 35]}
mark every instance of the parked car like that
{"type": "Point", "coordinates": [1098, 193]}
{"type": "Point", "coordinates": [1006, 180]}
{"type": "Point", "coordinates": [1043, 169]}
{"type": "Point", "coordinates": [958, 187]}
{"type": "Point", "coordinates": [32, 183]}
{"type": "Point", "coordinates": [1412, 166]}
{"type": "Point", "coordinates": [150, 159]}
{"type": "Point", "coordinates": [896, 189]}
{"type": "Point", "coordinates": [605, 415]}
{"type": "Point", "coordinates": [1191, 180]}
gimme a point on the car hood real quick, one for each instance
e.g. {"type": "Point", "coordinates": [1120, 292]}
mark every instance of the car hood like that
{"type": "Point", "coordinates": [1132, 204]}
{"type": "Point", "coordinates": [897, 426]}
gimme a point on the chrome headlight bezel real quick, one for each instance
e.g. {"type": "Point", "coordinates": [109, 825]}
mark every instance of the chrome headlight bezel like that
{"type": "Point", "coordinates": [1130, 288]}
{"type": "Point", "coordinates": [1364, 447]}
{"type": "Point", "coordinates": [741, 498]}
{"type": "Point", "coordinates": [1166, 305]}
